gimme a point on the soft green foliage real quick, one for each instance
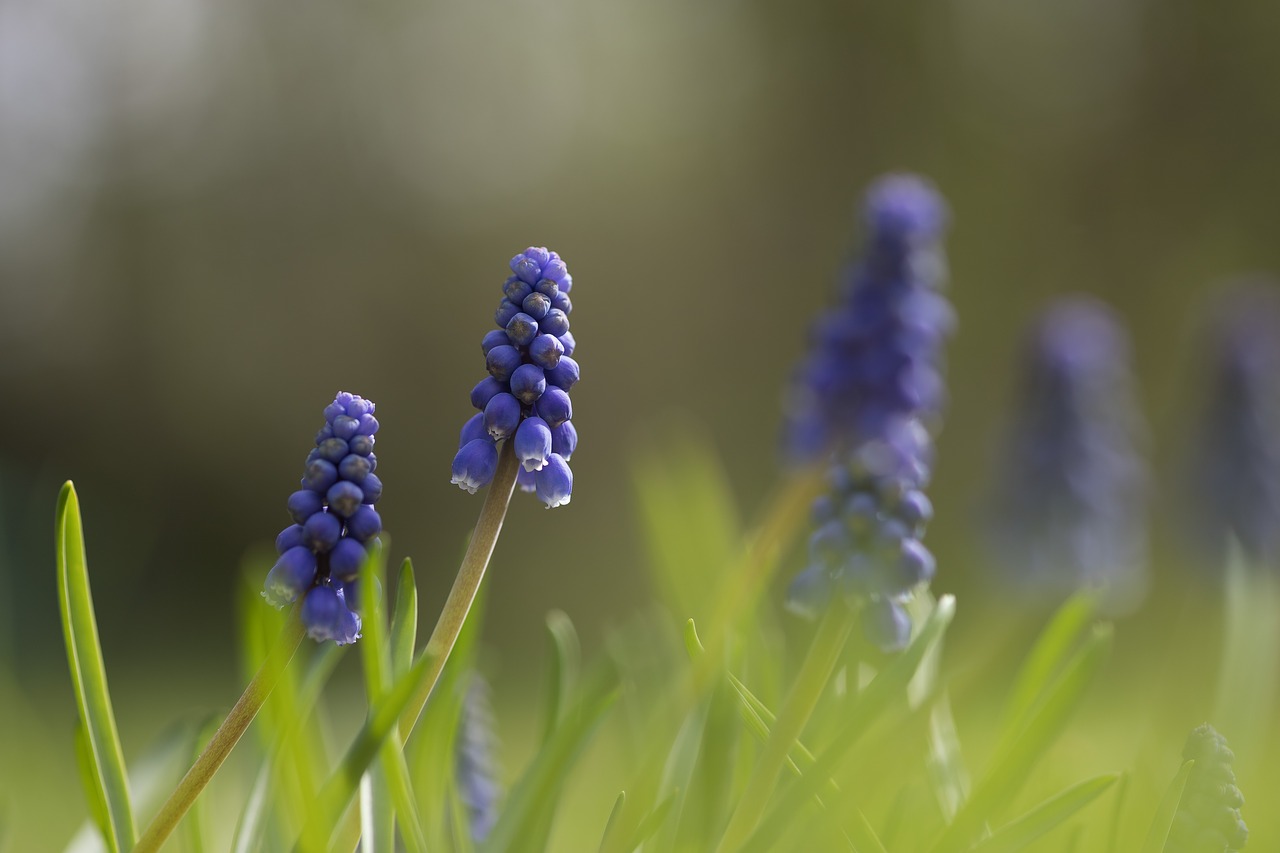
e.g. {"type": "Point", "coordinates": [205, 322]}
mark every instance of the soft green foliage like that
{"type": "Point", "coordinates": [744, 732]}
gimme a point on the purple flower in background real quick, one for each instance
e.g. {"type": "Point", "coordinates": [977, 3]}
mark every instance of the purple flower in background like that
{"type": "Point", "coordinates": [876, 357]}
{"type": "Point", "coordinates": [525, 397]}
{"type": "Point", "coordinates": [476, 768]}
{"type": "Point", "coordinates": [1236, 465]}
{"type": "Point", "coordinates": [1208, 816]}
{"type": "Point", "coordinates": [866, 401]}
{"type": "Point", "coordinates": [334, 524]}
{"type": "Point", "coordinates": [1069, 497]}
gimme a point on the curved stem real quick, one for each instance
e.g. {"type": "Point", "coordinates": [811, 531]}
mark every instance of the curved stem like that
{"type": "Point", "coordinates": [467, 583]}
{"type": "Point", "coordinates": [824, 654]}
{"type": "Point", "coordinates": [404, 704]}
{"type": "Point", "coordinates": [225, 738]}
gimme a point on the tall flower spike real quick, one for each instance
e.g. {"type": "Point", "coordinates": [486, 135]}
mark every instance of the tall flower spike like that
{"type": "Point", "coordinates": [525, 397]}
{"type": "Point", "coordinates": [1068, 503]}
{"type": "Point", "coordinates": [866, 400]}
{"type": "Point", "coordinates": [1236, 467]}
{"type": "Point", "coordinates": [477, 773]}
{"type": "Point", "coordinates": [334, 524]}
{"type": "Point", "coordinates": [1208, 819]}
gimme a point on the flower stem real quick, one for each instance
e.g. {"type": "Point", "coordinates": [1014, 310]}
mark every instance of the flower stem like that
{"type": "Point", "coordinates": [225, 738]}
{"type": "Point", "coordinates": [467, 583]}
{"type": "Point", "coordinates": [824, 654]}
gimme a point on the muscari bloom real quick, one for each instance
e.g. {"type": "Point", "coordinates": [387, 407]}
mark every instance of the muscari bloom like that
{"type": "Point", "coordinates": [476, 769]}
{"type": "Point", "coordinates": [1208, 819]}
{"type": "Point", "coordinates": [866, 401]}
{"type": "Point", "coordinates": [1236, 467]}
{"type": "Point", "coordinates": [1068, 506]}
{"type": "Point", "coordinates": [334, 524]}
{"type": "Point", "coordinates": [525, 397]}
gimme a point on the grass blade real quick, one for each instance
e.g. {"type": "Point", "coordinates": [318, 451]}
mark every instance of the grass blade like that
{"type": "Point", "coordinates": [252, 821]}
{"type": "Point", "coordinates": [105, 759]}
{"type": "Point", "coordinates": [404, 623]}
{"type": "Point", "coordinates": [1013, 764]}
{"type": "Point", "coordinates": [611, 825]}
{"type": "Point", "coordinates": [889, 684]}
{"type": "Point", "coordinates": [1168, 808]}
{"type": "Point", "coordinates": [566, 654]}
{"type": "Point", "coordinates": [1021, 832]}
{"type": "Point", "coordinates": [1047, 657]}
{"type": "Point", "coordinates": [533, 799]}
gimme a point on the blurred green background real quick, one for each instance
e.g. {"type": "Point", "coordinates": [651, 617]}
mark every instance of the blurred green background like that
{"type": "Point", "coordinates": [215, 215]}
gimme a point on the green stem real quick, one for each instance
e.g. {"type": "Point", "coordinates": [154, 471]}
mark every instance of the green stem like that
{"type": "Point", "coordinates": [824, 654]}
{"type": "Point", "coordinates": [225, 738]}
{"type": "Point", "coordinates": [466, 584]}
{"type": "Point", "coordinates": [406, 702]}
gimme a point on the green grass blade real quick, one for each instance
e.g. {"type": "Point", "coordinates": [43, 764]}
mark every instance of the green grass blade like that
{"type": "Point", "coordinates": [1013, 764]}
{"type": "Point", "coordinates": [377, 813]}
{"type": "Point", "coordinates": [533, 799]}
{"type": "Point", "coordinates": [1053, 812]}
{"type": "Point", "coordinates": [89, 677]}
{"type": "Point", "coordinates": [565, 660]}
{"type": "Point", "coordinates": [607, 838]}
{"type": "Point", "coordinates": [649, 824]}
{"type": "Point", "coordinates": [888, 685]}
{"type": "Point", "coordinates": [252, 822]}
{"type": "Point", "coordinates": [1117, 813]}
{"type": "Point", "coordinates": [404, 623]}
{"type": "Point", "coordinates": [195, 822]}
{"type": "Point", "coordinates": [1158, 834]}
{"type": "Point", "coordinates": [84, 763]}
{"type": "Point", "coordinates": [1053, 648]}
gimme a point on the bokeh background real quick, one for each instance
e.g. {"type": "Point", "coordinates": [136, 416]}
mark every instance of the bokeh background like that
{"type": "Point", "coordinates": [215, 215]}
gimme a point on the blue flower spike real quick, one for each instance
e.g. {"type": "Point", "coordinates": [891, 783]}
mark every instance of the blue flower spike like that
{"type": "Point", "coordinates": [525, 397]}
{"type": "Point", "coordinates": [866, 403]}
{"type": "Point", "coordinates": [335, 524]}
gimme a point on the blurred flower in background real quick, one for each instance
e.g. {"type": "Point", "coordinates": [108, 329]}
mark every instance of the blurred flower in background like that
{"type": "Point", "coordinates": [1069, 503]}
{"type": "Point", "coordinates": [1235, 474]}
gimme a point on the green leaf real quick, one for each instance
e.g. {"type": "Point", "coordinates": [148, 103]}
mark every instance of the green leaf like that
{"type": "Point", "coordinates": [1053, 648]}
{"type": "Point", "coordinates": [611, 825]}
{"type": "Point", "coordinates": [649, 824]}
{"type": "Point", "coordinates": [106, 774]}
{"type": "Point", "coordinates": [690, 522]}
{"type": "Point", "coordinates": [566, 654]}
{"type": "Point", "coordinates": [252, 822]}
{"type": "Point", "coordinates": [1013, 764]}
{"type": "Point", "coordinates": [533, 799]}
{"type": "Point", "coordinates": [1117, 814]}
{"type": "Point", "coordinates": [404, 623]}
{"type": "Point", "coordinates": [84, 763]}
{"type": "Point", "coordinates": [889, 685]}
{"type": "Point", "coordinates": [1021, 832]}
{"type": "Point", "coordinates": [1158, 834]}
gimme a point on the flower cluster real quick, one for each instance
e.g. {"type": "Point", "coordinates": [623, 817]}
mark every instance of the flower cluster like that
{"type": "Point", "coordinates": [476, 772]}
{"type": "Point", "coordinates": [334, 524]}
{"type": "Point", "coordinates": [1236, 471]}
{"type": "Point", "coordinates": [525, 397]}
{"type": "Point", "coordinates": [867, 399]}
{"type": "Point", "coordinates": [1208, 819]}
{"type": "Point", "coordinates": [1068, 508]}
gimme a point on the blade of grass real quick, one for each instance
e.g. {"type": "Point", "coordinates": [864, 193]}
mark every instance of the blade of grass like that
{"type": "Point", "coordinates": [565, 657]}
{"type": "Point", "coordinates": [1117, 813]}
{"type": "Point", "coordinates": [250, 825]}
{"type": "Point", "coordinates": [889, 684]}
{"type": "Point", "coordinates": [1047, 657]}
{"type": "Point", "coordinates": [819, 663]}
{"type": "Point", "coordinates": [89, 676]}
{"type": "Point", "coordinates": [611, 825]}
{"type": "Point", "coordinates": [89, 783]}
{"type": "Point", "coordinates": [1019, 833]}
{"type": "Point", "coordinates": [195, 822]}
{"type": "Point", "coordinates": [535, 795]}
{"type": "Point", "coordinates": [1011, 766]}
{"type": "Point", "coordinates": [404, 623]}
{"type": "Point", "coordinates": [1158, 834]}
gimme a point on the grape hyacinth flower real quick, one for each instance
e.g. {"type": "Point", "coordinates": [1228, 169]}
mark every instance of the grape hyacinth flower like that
{"type": "Point", "coordinates": [1236, 467]}
{"type": "Point", "coordinates": [334, 524]}
{"type": "Point", "coordinates": [867, 400]}
{"type": "Point", "coordinates": [1068, 504]}
{"type": "Point", "coordinates": [1208, 819]}
{"type": "Point", "coordinates": [525, 397]}
{"type": "Point", "coordinates": [477, 773]}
